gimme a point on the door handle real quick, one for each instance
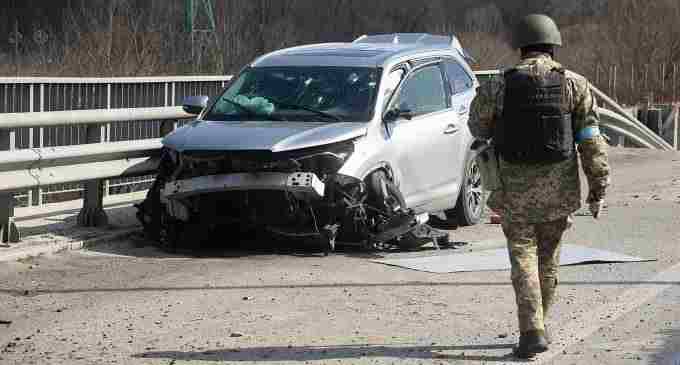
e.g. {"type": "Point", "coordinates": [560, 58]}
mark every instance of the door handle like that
{"type": "Point", "coordinates": [451, 129]}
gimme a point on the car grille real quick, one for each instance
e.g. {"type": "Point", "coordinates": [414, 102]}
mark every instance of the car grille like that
{"type": "Point", "coordinates": [210, 163]}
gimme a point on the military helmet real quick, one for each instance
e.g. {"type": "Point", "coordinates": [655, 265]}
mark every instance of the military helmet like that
{"type": "Point", "coordinates": [537, 29]}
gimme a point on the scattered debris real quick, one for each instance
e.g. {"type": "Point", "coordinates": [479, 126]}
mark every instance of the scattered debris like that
{"type": "Point", "coordinates": [424, 232]}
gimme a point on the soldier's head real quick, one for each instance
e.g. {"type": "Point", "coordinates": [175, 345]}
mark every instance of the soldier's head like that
{"type": "Point", "coordinates": [537, 33]}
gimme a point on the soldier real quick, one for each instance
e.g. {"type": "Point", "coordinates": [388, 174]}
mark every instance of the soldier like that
{"type": "Point", "coordinates": [542, 119]}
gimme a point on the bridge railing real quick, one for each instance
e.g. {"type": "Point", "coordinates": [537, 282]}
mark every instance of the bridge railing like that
{"type": "Point", "coordinates": [40, 94]}
{"type": "Point", "coordinates": [93, 130]}
{"type": "Point", "coordinates": [92, 162]}
{"type": "Point", "coordinates": [117, 119]}
{"type": "Point", "coordinates": [614, 119]}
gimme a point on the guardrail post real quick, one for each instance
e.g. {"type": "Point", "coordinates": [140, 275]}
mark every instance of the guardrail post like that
{"type": "Point", "coordinates": [655, 120]}
{"type": "Point", "coordinates": [9, 233]}
{"type": "Point", "coordinates": [620, 140]}
{"type": "Point", "coordinates": [167, 126]}
{"type": "Point", "coordinates": [676, 127]}
{"type": "Point", "coordinates": [92, 214]}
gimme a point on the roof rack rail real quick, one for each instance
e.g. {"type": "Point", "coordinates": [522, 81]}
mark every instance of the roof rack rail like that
{"type": "Point", "coordinates": [426, 39]}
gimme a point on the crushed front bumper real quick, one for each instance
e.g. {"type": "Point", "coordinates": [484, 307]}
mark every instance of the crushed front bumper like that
{"type": "Point", "coordinates": [301, 184]}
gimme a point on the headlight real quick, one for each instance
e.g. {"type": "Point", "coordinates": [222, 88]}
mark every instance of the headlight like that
{"type": "Point", "coordinates": [327, 160]}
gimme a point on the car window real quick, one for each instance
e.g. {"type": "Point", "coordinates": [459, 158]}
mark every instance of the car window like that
{"type": "Point", "coordinates": [459, 79]}
{"type": "Point", "coordinates": [423, 92]}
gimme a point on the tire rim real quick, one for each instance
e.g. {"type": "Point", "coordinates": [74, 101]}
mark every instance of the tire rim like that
{"type": "Point", "coordinates": [475, 192]}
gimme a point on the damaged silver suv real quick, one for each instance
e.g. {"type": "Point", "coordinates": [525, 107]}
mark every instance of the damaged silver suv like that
{"type": "Point", "coordinates": [356, 142]}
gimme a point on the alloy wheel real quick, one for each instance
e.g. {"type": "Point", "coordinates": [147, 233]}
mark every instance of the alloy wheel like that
{"type": "Point", "coordinates": [474, 193]}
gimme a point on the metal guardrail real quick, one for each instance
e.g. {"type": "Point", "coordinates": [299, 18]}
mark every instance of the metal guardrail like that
{"type": "Point", "coordinates": [51, 149]}
{"type": "Point", "coordinates": [616, 119]}
{"type": "Point", "coordinates": [45, 94]}
{"type": "Point", "coordinates": [103, 157]}
{"type": "Point", "coordinates": [93, 162]}
{"type": "Point", "coordinates": [80, 117]}
{"type": "Point", "coordinates": [626, 125]}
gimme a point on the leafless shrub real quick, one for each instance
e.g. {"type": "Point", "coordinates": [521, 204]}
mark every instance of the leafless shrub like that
{"type": "Point", "coordinates": [621, 45]}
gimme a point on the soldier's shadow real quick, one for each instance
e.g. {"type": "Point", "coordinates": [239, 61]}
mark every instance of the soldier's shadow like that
{"type": "Point", "coordinates": [338, 353]}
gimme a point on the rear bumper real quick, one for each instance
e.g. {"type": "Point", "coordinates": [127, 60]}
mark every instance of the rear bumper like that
{"type": "Point", "coordinates": [302, 184]}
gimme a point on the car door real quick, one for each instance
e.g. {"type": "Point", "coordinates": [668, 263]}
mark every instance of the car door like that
{"type": "Point", "coordinates": [424, 140]}
{"type": "Point", "coordinates": [462, 93]}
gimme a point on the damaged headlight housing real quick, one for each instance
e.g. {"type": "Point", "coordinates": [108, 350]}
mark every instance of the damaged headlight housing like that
{"type": "Point", "coordinates": [327, 159]}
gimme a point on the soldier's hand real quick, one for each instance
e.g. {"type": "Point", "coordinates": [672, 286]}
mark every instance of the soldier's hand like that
{"type": "Point", "coordinates": [596, 208]}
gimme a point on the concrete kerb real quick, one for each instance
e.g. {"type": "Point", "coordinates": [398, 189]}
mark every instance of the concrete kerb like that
{"type": "Point", "coordinates": [54, 228]}
{"type": "Point", "coordinates": [20, 253]}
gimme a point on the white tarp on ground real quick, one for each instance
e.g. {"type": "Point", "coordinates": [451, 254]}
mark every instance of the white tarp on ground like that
{"type": "Point", "coordinates": [493, 260]}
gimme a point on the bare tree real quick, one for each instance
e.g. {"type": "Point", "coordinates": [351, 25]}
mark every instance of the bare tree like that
{"type": "Point", "coordinates": [637, 38]}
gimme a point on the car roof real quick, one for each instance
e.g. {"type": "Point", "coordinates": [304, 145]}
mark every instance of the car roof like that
{"type": "Point", "coordinates": [367, 51]}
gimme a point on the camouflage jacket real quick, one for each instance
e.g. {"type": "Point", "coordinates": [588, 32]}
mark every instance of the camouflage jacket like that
{"type": "Point", "coordinates": [535, 194]}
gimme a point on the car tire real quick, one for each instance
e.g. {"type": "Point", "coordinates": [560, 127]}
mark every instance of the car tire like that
{"type": "Point", "coordinates": [471, 201]}
{"type": "Point", "coordinates": [384, 194]}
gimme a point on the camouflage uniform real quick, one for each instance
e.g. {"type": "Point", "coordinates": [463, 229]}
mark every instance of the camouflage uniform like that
{"type": "Point", "coordinates": [536, 201]}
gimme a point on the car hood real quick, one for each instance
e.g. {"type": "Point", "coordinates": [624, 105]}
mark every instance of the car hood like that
{"type": "Point", "coordinates": [265, 135]}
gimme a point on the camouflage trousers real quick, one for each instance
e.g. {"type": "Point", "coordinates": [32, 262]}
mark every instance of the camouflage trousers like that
{"type": "Point", "coordinates": [534, 255]}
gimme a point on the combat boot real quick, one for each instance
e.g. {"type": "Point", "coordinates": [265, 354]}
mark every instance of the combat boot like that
{"type": "Point", "coordinates": [530, 344]}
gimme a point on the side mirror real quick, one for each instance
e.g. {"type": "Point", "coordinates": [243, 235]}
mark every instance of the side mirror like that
{"type": "Point", "coordinates": [195, 104]}
{"type": "Point", "coordinates": [391, 115]}
{"type": "Point", "coordinates": [394, 114]}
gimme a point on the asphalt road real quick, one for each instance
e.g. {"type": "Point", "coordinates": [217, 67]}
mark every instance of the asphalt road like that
{"type": "Point", "coordinates": [127, 303]}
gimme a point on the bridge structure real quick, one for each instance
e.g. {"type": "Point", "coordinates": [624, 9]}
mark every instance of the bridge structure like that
{"type": "Point", "coordinates": [67, 138]}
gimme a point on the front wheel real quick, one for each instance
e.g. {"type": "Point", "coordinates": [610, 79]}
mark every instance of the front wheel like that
{"type": "Point", "coordinates": [385, 195]}
{"type": "Point", "coordinates": [471, 199]}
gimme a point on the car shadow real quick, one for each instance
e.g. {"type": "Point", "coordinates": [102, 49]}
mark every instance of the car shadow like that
{"type": "Point", "coordinates": [337, 353]}
{"type": "Point", "coordinates": [138, 245]}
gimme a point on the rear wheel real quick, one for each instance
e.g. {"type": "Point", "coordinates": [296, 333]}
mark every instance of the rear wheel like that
{"type": "Point", "coordinates": [471, 199]}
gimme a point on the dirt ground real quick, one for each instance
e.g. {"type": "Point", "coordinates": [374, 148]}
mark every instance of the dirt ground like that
{"type": "Point", "coordinates": [127, 303]}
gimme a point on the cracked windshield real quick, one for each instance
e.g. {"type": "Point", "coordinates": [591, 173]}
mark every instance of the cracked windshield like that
{"type": "Point", "coordinates": [314, 94]}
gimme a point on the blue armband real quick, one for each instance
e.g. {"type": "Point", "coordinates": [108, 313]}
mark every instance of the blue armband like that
{"type": "Point", "coordinates": [587, 133]}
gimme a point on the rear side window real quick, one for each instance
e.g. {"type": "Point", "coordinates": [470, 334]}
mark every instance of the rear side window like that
{"type": "Point", "coordinates": [459, 79]}
{"type": "Point", "coordinates": [423, 92]}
